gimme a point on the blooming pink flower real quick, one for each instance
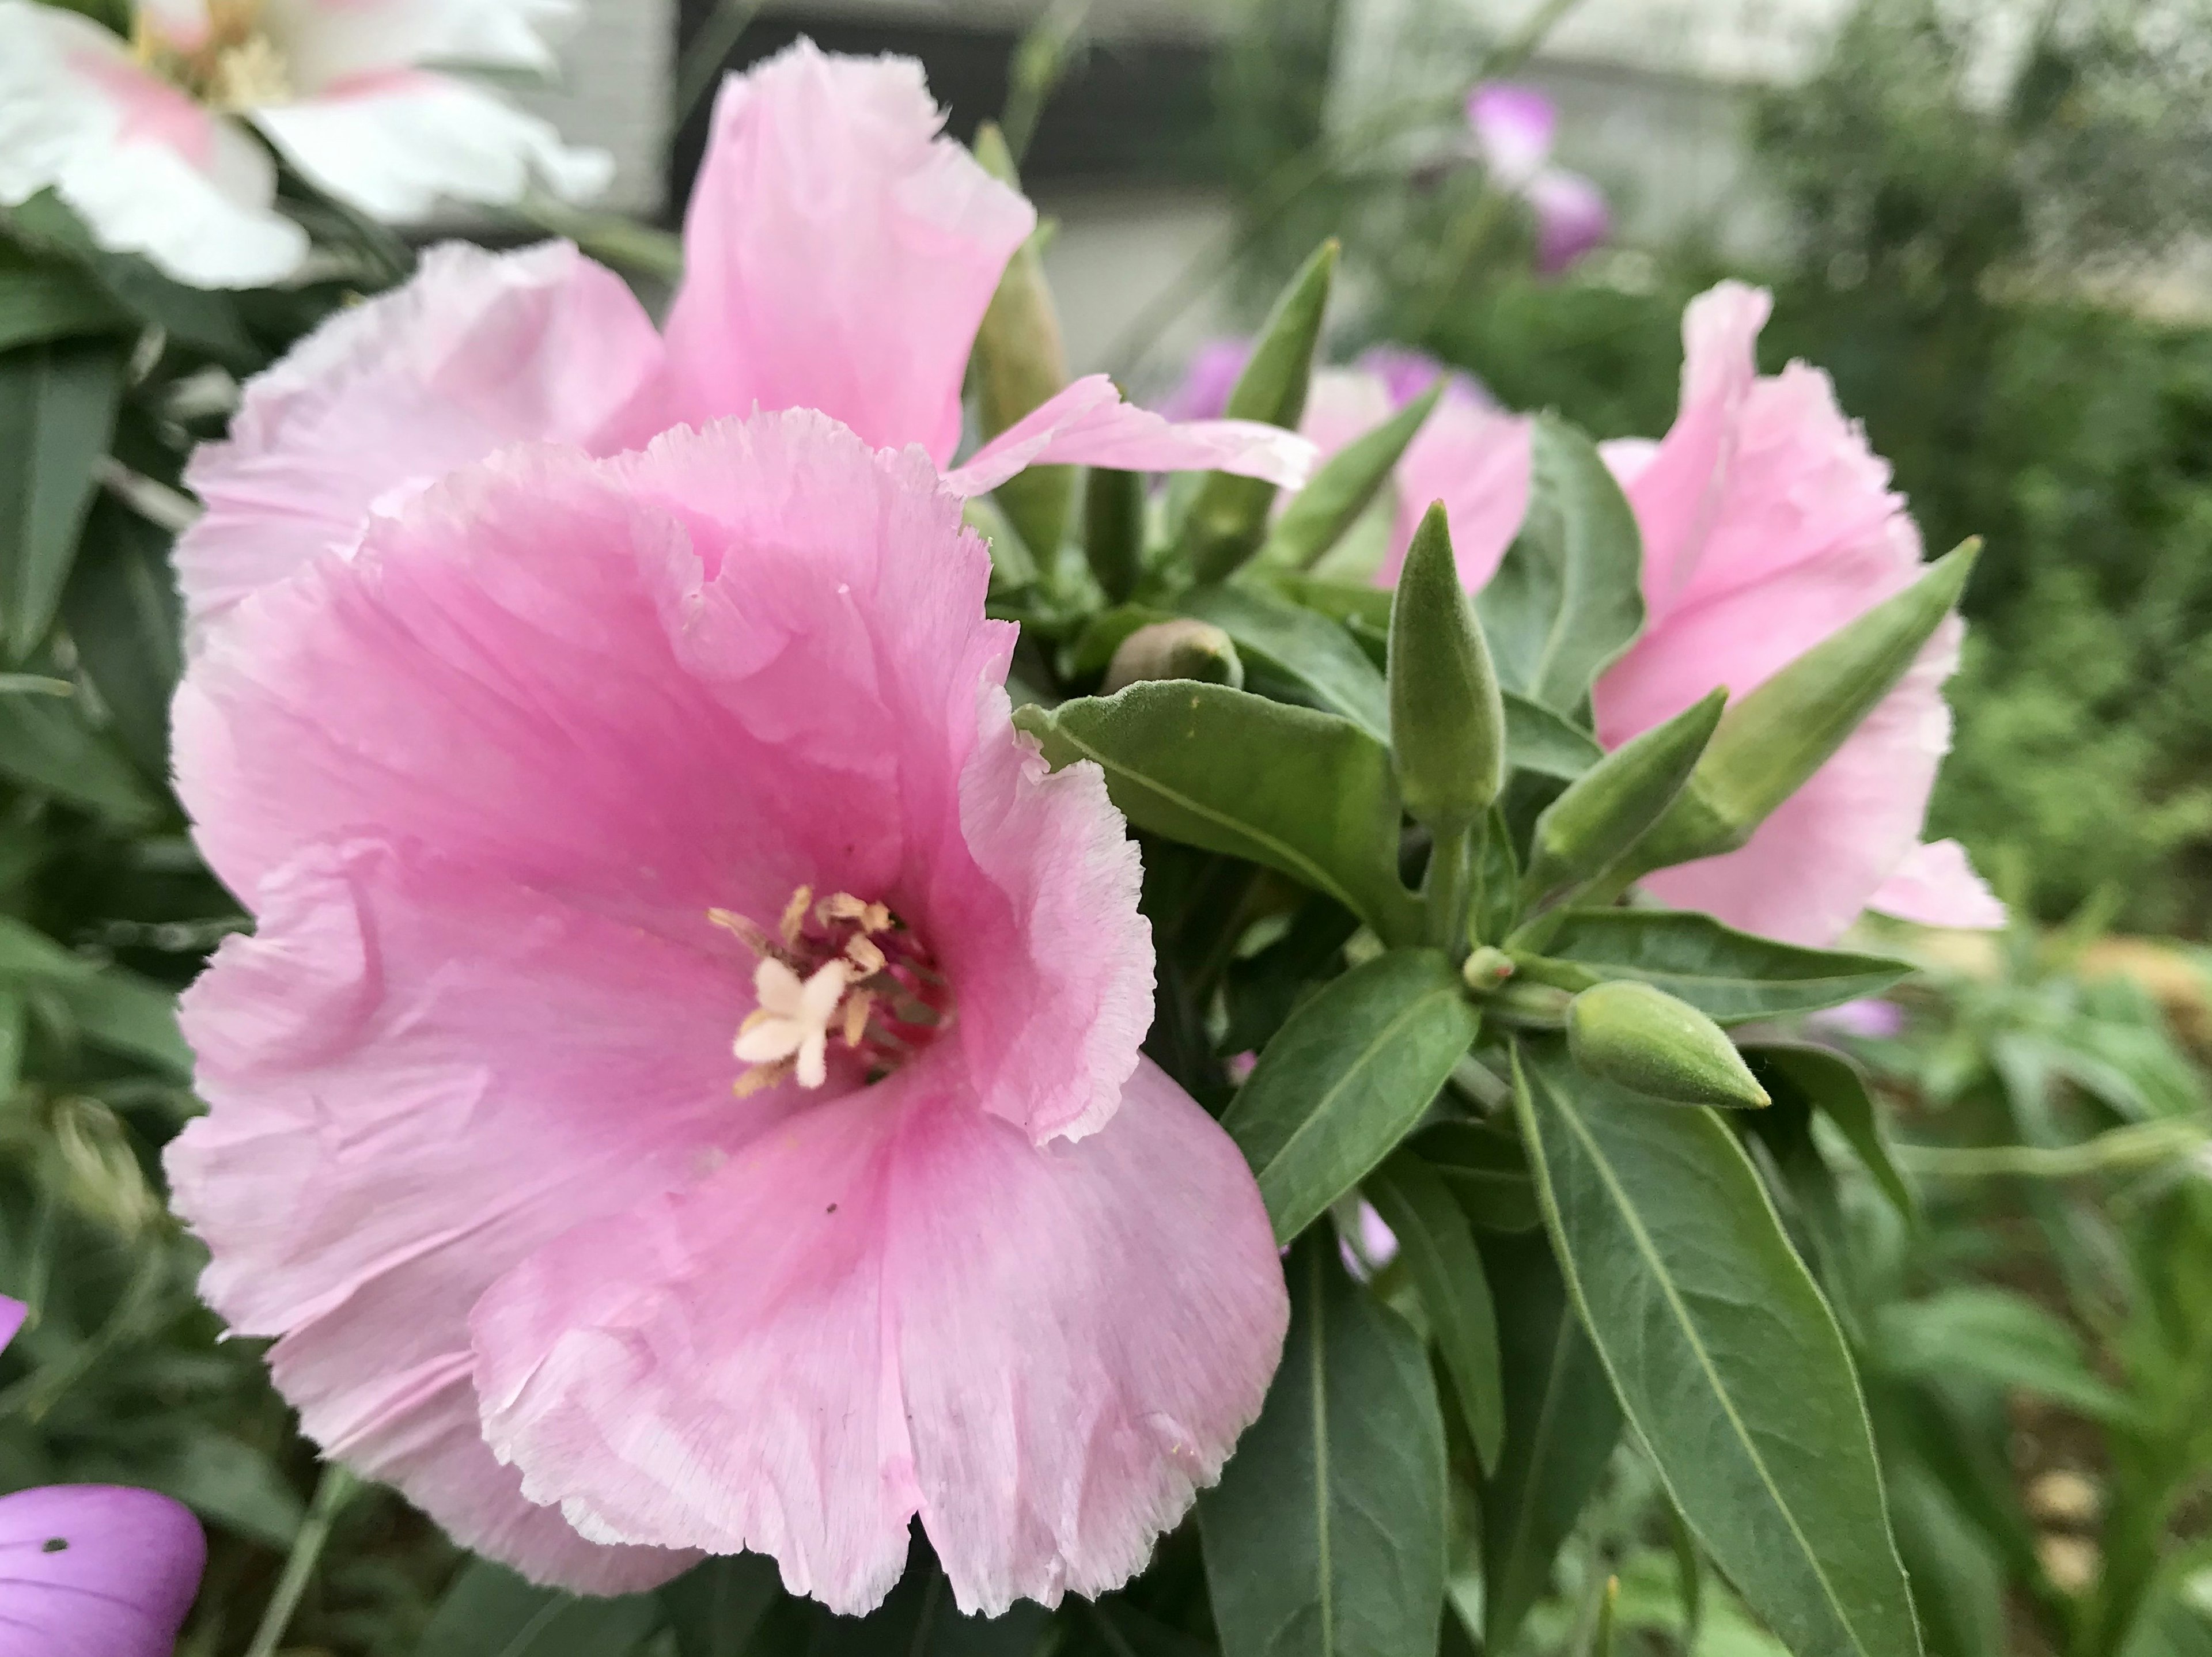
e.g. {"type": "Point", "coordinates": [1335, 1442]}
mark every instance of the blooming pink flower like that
{"type": "Point", "coordinates": [138, 136]}
{"type": "Point", "coordinates": [1767, 525]}
{"type": "Point", "coordinates": [839, 255]}
{"type": "Point", "coordinates": [1512, 127]}
{"type": "Point", "coordinates": [92, 1571]}
{"type": "Point", "coordinates": [571, 774]}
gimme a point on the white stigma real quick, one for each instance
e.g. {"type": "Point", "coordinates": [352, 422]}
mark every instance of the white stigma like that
{"type": "Point", "coordinates": [793, 1018]}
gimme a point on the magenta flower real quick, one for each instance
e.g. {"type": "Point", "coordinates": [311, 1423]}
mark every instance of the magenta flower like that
{"type": "Point", "coordinates": [682, 1092]}
{"type": "Point", "coordinates": [839, 256]}
{"type": "Point", "coordinates": [92, 1571]}
{"type": "Point", "coordinates": [1512, 128]}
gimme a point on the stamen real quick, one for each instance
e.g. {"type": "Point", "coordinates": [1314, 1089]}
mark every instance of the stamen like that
{"type": "Point", "coordinates": [794, 915]}
{"type": "Point", "coordinates": [858, 1005]}
{"type": "Point", "coordinates": [865, 955]}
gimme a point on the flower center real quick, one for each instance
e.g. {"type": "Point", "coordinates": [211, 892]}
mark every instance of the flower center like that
{"type": "Point", "coordinates": [835, 967]}
{"type": "Point", "coordinates": [235, 66]}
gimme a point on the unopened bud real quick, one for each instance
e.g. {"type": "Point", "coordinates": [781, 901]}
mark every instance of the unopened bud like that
{"type": "Point", "coordinates": [1486, 969]}
{"type": "Point", "coordinates": [1181, 649]}
{"type": "Point", "coordinates": [1627, 1032]}
{"type": "Point", "coordinates": [1447, 718]}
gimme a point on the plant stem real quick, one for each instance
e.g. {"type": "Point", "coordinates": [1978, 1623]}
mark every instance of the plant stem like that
{"type": "Point", "coordinates": [703, 58]}
{"type": "Point", "coordinates": [332, 1491]}
{"type": "Point", "coordinates": [1446, 889]}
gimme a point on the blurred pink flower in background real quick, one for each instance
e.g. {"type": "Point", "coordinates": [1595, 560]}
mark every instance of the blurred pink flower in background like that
{"type": "Point", "coordinates": [145, 138]}
{"type": "Point", "coordinates": [1768, 524]}
{"type": "Point", "coordinates": [586, 805]}
{"type": "Point", "coordinates": [1871, 1019]}
{"type": "Point", "coordinates": [1512, 128]}
{"type": "Point", "coordinates": [92, 1571]}
{"type": "Point", "coordinates": [839, 256]}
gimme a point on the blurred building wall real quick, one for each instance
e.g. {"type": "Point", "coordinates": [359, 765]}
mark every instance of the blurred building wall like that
{"type": "Point", "coordinates": [616, 70]}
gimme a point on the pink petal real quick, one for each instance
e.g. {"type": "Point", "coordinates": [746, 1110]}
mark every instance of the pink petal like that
{"type": "Point", "coordinates": [839, 255]}
{"type": "Point", "coordinates": [12, 1313]}
{"type": "Point", "coordinates": [119, 1585]}
{"type": "Point", "coordinates": [328, 40]}
{"type": "Point", "coordinates": [1572, 218]}
{"type": "Point", "coordinates": [1088, 424]}
{"type": "Point", "coordinates": [1211, 375]}
{"type": "Point", "coordinates": [1869, 1019]}
{"type": "Point", "coordinates": [1042, 1351]}
{"type": "Point", "coordinates": [478, 351]}
{"type": "Point", "coordinates": [1474, 459]}
{"type": "Point", "coordinates": [1513, 126]}
{"type": "Point", "coordinates": [1936, 886]}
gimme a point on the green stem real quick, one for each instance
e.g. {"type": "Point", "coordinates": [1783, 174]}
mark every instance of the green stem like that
{"type": "Point", "coordinates": [709, 50]}
{"type": "Point", "coordinates": [332, 1491]}
{"type": "Point", "coordinates": [1446, 889]}
{"type": "Point", "coordinates": [2145, 1145]}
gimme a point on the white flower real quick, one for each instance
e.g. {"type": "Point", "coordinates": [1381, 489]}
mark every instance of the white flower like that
{"type": "Point", "coordinates": [141, 138]}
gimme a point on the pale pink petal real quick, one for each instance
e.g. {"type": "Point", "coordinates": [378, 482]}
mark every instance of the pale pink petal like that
{"type": "Point", "coordinates": [1088, 424]}
{"type": "Point", "coordinates": [839, 255]}
{"type": "Point", "coordinates": [1042, 1351]}
{"type": "Point", "coordinates": [1677, 493]}
{"type": "Point", "coordinates": [12, 1313]}
{"type": "Point", "coordinates": [479, 350]}
{"type": "Point", "coordinates": [95, 1570]}
{"type": "Point", "coordinates": [1868, 1019]}
{"type": "Point", "coordinates": [148, 170]}
{"type": "Point", "coordinates": [1343, 404]}
{"type": "Point", "coordinates": [1572, 218]}
{"type": "Point", "coordinates": [183, 24]}
{"type": "Point", "coordinates": [1513, 125]}
{"type": "Point", "coordinates": [1474, 459]}
{"type": "Point", "coordinates": [1936, 886]}
{"type": "Point", "coordinates": [1406, 374]}
{"type": "Point", "coordinates": [399, 147]}
{"type": "Point", "coordinates": [329, 41]}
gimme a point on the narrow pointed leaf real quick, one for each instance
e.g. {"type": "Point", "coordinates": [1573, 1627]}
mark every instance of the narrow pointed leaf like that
{"type": "Point", "coordinates": [1545, 743]}
{"type": "Point", "coordinates": [1773, 738]}
{"type": "Point", "coordinates": [1730, 976]}
{"type": "Point", "coordinates": [1724, 1354]}
{"type": "Point", "coordinates": [57, 406]}
{"type": "Point", "coordinates": [1832, 1084]}
{"type": "Point", "coordinates": [1486, 1172]}
{"type": "Point", "coordinates": [489, 1612]}
{"type": "Point", "coordinates": [1568, 597]}
{"type": "Point", "coordinates": [1437, 1245]}
{"type": "Point", "coordinates": [1561, 1424]}
{"type": "Point", "coordinates": [47, 744]}
{"type": "Point", "coordinates": [1229, 516]}
{"type": "Point", "coordinates": [1347, 1078]}
{"type": "Point", "coordinates": [1325, 1537]}
{"type": "Point", "coordinates": [1319, 514]}
{"type": "Point", "coordinates": [1302, 791]}
{"type": "Point", "coordinates": [41, 301]}
{"type": "Point", "coordinates": [1605, 810]}
{"type": "Point", "coordinates": [126, 621]}
{"type": "Point", "coordinates": [1114, 529]}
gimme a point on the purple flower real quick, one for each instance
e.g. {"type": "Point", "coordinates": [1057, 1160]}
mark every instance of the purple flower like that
{"type": "Point", "coordinates": [92, 1571]}
{"type": "Point", "coordinates": [1513, 126]}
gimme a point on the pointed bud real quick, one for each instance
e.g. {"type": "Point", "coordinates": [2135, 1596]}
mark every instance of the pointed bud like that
{"type": "Point", "coordinates": [1486, 969]}
{"type": "Point", "coordinates": [1226, 522]}
{"type": "Point", "coordinates": [1771, 741]}
{"type": "Point", "coordinates": [1181, 649]}
{"type": "Point", "coordinates": [1447, 720]}
{"type": "Point", "coordinates": [1018, 361]}
{"type": "Point", "coordinates": [1114, 530]}
{"type": "Point", "coordinates": [1319, 514]}
{"type": "Point", "coordinates": [1627, 1032]}
{"type": "Point", "coordinates": [1606, 810]}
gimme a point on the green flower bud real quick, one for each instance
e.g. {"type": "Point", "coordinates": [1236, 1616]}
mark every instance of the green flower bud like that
{"type": "Point", "coordinates": [1229, 519]}
{"type": "Point", "coordinates": [1114, 530]}
{"type": "Point", "coordinates": [1181, 649]}
{"type": "Point", "coordinates": [1627, 1032]}
{"type": "Point", "coordinates": [1320, 514]}
{"type": "Point", "coordinates": [1486, 969]}
{"type": "Point", "coordinates": [1771, 741]}
{"type": "Point", "coordinates": [1447, 720]}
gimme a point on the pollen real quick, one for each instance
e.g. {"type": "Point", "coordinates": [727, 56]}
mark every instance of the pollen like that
{"type": "Point", "coordinates": [838, 976]}
{"type": "Point", "coordinates": [234, 65]}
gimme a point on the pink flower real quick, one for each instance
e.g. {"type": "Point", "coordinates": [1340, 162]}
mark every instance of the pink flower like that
{"type": "Point", "coordinates": [92, 1571]}
{"type": "Point", "coordinates": [1767, 525]}
{"type": "Point", "coordinates": [1512, 128]}
{"type": "Point", "coordinates": [839, 255]}
{"type": "Point", "coordinates": [574, 774]}
{"type": "Point", "coordinates": [144, 139]}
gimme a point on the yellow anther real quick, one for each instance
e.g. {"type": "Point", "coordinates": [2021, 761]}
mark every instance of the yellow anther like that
{"type": "Point", "coordinates": [794, 915]}
{"type": "Point", "coordinates": [857, 1007]}
{"type": "Point", "coordinates": [761, 1078]}
{"type": "Point", "coordinates": [751, 933]}
{"type": "Point", "coordinates": [865, 955]}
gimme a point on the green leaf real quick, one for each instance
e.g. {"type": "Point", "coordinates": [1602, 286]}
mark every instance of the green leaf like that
{"type": "Point", "coordinates": [125, 1014]}
{"type": "Point", "coordinates": [1229, 516]}
{"type": "Point", "coordinates": [1447, 722]}
{"type": "Point", "coordinates": [489, 1612]}
{"type": "Point", "coordinates": [1568, 597]}
{"type": "Point", "coordinates": [57, 407]}
{"type": "Point", "coordinates": [1325, 1537]}
{"type": "Point", "coordinates": [1295, 655]}
{"type": "Point", "coordinates": [715, 1607]}
{"type": "Point", "coordinates": [1724, 1354]}
{"type": "Point", "coordinates": [1957, 1583]}
{"type": "Point", "coordinates": [1304, 793]}
{"type": "Point", "coordinates": [1018, 361]}
{"type": "Point", "coordinates": [1347, 1078]}
{"type": "Point", "coordinates": [1538, 740]}
{"type": "Point", "coordinates": [1437, 1247]}
{"type": "Point", "coordinates": [1604, 811]}
{"type": "Point", "coordinates": [1834, 1084]}
{"type": "Point", "coordinates": [1999, 1337]}
{"type": "Point", "coordinates": [1731, 977]}
{"type": "Point", "coordinates": [1561, 1424]}
{"type": "Point", "coordinates": [1486, 1170]}
{"type": "Point", "coordinates": [1773, 738]}
{"type": "Point", "coordinates": [1319, 514]}
{"type": "Point", "coordinates": [1114, 529]}
{"type": "Point", "coordinates": [126, 621]}
{"type": "Point", "coordinates": [41, 301]}
{"type": "Point", "coordinates": [46, 744]}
